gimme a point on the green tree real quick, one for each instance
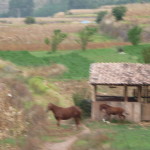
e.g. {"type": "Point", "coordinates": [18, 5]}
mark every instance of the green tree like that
{"type": "Point", "coordinates": [119, 12]}
{"type": "Point", "coordinates": [21, 8]}
{"type": "Point", "coordinates": [85, 36]}
{"type": "Point", "coordinates": [57, 37]}
{"type": "Point", "coordinates": [77, 4]}
{"type": "Point", "coordinates": [52, 7]}
{"type": "Point", "coordinates": [100, 16]}
{"type": "Point", "coordinates": [29, 20]}
{"type": "Point", "coordinates": [134, 35]}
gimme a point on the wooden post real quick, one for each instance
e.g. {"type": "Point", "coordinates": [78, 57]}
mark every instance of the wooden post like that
{"type": "Point", "coordinates": [93, 111]}
{"type": "Point", "coordinates": [126, 93]}
{"type": "Point", "coordinates": [94, 93]}
{"type": "Point", "coordinates": [139, 93]}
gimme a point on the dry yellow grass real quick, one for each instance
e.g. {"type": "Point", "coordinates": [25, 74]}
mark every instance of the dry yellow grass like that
{"type": "Point", "coordinates": [42, 20]}
{"type": "Point", "coordinates": [138, 13]}
{"type": "Point", "coordinates": [15, 35]}
{"type": "Point", "coordinates": [88, 11]}
{"type": "Point", "coordinates": [138, 9]}
{"type": "Point", "coordinates": [26, 37]}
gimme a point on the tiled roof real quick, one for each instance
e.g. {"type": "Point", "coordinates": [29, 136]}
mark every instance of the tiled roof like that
{"type": "Point", "coordinates": [120, 73]}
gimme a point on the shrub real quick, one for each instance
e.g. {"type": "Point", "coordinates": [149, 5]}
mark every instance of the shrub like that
{"type": "Point", "coordinates": [57, 37]}
{"type": "Point", "coordinates": [81, 99]}
{"type": "Point", "coordinates": [119, 12]}
{"type": "Point", "coordinates": [29, 20]}
{"type": "Point", "coordinates": [100, 16]}
{"type": "Point", "coordinates": [85, 105]}
{"type": "Point", "coordinates": [146, 55]}
{"type": "Point", "coordinates": [134, 35]}
{"type": "Point", "coordinates": [37, 85]}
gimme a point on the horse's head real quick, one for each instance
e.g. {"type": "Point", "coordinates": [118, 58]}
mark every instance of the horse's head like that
{"type": "Point", "coordinates": [49, 107]}
{"type": "Point", "coordinates": [103, 107]}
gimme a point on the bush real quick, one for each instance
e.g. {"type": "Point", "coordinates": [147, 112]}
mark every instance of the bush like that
{"type": "Point", "coordinates": [37, 85]}
{"type": "Point", "coordinates": [85, 105]}
{"type": "Point", "coordinates": [82, 100]}
{"type": "Point", "coordinates": [100, 16]}
{"type": "Point", "coordinates": [146, 55]}
{"type": "Point", "coordinates": [29, 20]}
{"type": "Point", "coordinates": [134, 35]}
{"type": "Point", "coordinates": [119, 12]}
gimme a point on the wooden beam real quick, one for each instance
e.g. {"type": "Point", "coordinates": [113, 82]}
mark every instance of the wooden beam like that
{"type": "Point", "coordinates": [139, 93]}
{"type": "Point", "coordinates": [126, 93]}
{"type": "Point", "coordinates": [94, 92]}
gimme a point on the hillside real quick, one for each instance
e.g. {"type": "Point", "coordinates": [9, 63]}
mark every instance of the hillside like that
{"type": "Point", "coordinates": [4, 5]}
{"type": "Point", "coordinates": [137, 14]}
{"type": "Point", "coordinates": [42, 7]}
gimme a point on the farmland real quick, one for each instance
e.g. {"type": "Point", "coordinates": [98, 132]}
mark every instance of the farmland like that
{"type": "Point", "coordinates": [36, 76]}
{"type": "Point", "coordinates": [77, 62]}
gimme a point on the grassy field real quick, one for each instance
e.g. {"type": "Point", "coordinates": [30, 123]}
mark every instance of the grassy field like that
{"type": "Point", "coordinates": [77, 62]}
{"type": "Point", "coordinates": [119, 136]}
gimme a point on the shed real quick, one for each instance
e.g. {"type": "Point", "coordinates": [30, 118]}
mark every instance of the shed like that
{"type": "Point", "coordinates": [122, 75]}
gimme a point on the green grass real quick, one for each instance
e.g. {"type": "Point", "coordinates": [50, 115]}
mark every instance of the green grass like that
{"type": "Point", "coordinates": [99, 37]}
{"type": "Point", "coordinates": [9, 141]}
{"type": "Point", "coordinates": [12, 141]}
{"type": "Point", "coordinates": [136, 51]}
{"type": "Point", "coordinates": [107, 55]}
{"type": "Point", "coordinates": [102, 38]}
{"type": "Point", "coordinates": [77, 62]}
{"type": "Point", "coordinates": [124, 136]}
{"type": "Point", "coordinates": [142, 16]}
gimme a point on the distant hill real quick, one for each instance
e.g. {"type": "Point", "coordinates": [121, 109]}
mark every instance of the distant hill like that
{"type": "Point", "coordinates": [49, 7]}
{"type": "Point", "coordinates": [4, 5]}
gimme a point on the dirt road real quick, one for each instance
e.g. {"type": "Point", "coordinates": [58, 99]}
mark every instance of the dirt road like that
{"type": "Point", "coordinates": [67, 143]}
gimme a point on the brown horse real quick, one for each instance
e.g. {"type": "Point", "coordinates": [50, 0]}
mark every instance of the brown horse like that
{"type": "Point", "coordinates": [61, 113]}
{"type": "Point", "coordinates": [109, 110]}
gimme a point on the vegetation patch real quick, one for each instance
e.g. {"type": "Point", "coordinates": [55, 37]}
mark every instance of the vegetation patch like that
{"type": "Point", "coordinates": [136, 51]}
{"type": "Point", "coordinates": [124, 136]}
{"type": "Point", "coordinates": [94, 140]}
{"type": "Point", "coordinates": [76, 62]}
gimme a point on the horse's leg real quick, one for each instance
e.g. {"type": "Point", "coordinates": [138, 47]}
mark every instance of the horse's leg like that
{"type": "Point", "coordinates": [109, 117]}
{"type": "Point", "coordinates": [124, 117]}
{"type": "Point", "coordinates": [121, 116]}
{"type": "Point", "coordinates": [77, 122]}
{"type": "Point", "coordinates": [105, 117]}
{"type": "Point", "coordinates": [58, 122]}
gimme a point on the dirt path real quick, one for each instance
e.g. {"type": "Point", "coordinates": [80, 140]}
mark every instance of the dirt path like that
{"type": "Point", "coordinates": [67, 143]}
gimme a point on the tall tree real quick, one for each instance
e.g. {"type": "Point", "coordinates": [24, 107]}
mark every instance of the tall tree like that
{"type": "Point", "coordinates": [21, 8]}
{"type": "Point", "coordinates": [85, 36]}
{"type": "Point", "coordinates": [52, 7]}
